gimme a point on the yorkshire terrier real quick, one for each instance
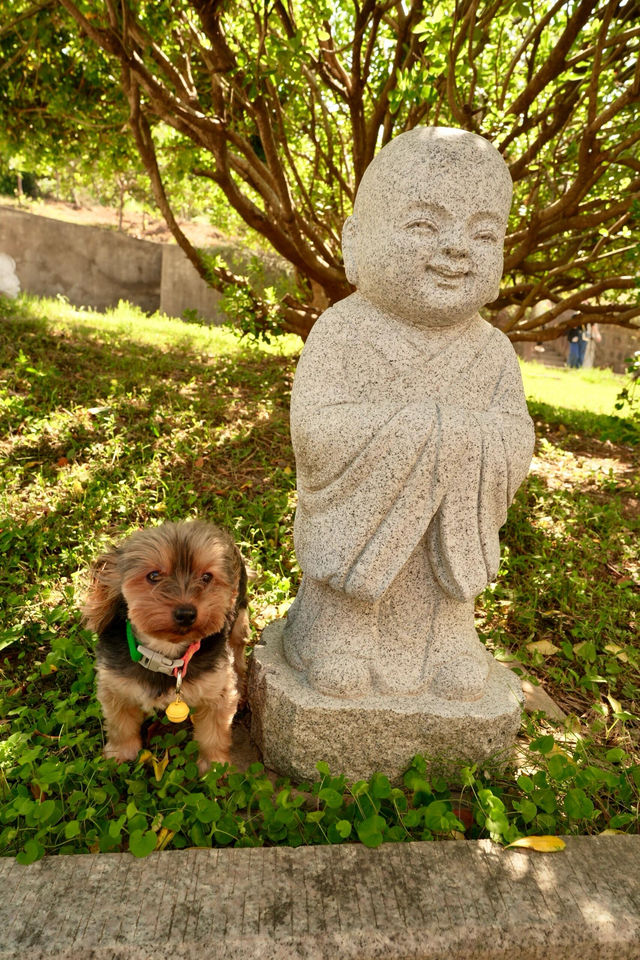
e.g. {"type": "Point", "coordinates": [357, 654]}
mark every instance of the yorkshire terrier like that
{"type": "Point", "coordinates": [169, 605]}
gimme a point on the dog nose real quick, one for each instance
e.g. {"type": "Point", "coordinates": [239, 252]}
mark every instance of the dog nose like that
{"type": "Point", "coordinates": [185, 616]}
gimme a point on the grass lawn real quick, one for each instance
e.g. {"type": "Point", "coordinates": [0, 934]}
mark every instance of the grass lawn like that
{"type": "Point", "coordinates": [592, 390]}
{"type": "Point", "coordinates": [111, 422]}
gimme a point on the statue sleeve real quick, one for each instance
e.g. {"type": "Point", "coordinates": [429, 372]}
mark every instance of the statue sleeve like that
{"type": "Point", "coordinates": [368, 483]}
{"type": "Point", "coordinates": [462, 540]}
{"type": "Point", "coordinates": [375, 478]}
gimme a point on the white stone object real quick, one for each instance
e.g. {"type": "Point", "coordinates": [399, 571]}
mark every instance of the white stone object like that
{"type": "Point", "coordinates": [9, 282]}
{"type": "Point", "coordinates": [411, 435]}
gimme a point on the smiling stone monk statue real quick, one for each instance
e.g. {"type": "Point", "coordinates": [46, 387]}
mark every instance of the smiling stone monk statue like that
{"type": "Point", "coordinates": [411, 436]}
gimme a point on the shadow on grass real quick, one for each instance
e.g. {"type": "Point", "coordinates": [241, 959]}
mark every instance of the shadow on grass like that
{"type": "Point", "coordinates": [599, 425]}
{"type": "Point", "coordinates": [105, 435]}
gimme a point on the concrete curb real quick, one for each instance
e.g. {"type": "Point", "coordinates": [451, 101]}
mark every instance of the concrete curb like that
{"type": "Point", "coordinates": [424, 901]}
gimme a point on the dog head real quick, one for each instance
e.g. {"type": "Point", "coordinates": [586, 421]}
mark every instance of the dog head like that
{"type": "Point", "coordinates": [179, 581]}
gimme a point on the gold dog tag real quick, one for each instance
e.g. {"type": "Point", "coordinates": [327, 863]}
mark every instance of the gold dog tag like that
{"type": "Point", "coordinates": [177, 711]}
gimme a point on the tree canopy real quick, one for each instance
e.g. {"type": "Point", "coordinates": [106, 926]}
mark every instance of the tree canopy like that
{"type": "Point", "coordinates": [281, 104]}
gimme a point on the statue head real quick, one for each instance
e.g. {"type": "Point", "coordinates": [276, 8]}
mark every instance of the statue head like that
{"type": "Point", "coordinates": [425, 239]}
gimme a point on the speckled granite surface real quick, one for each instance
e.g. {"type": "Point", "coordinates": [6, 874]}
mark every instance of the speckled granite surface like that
{"type": "Point", "coordinates": [425, 901]}
{"type": "Point", "coordinates": [293, 725]}
{"type": "Point", "coordinates": [411, 435]}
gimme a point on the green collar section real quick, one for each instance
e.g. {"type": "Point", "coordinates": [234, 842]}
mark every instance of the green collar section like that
{"type": "Point", "coordinates": [133, 644]}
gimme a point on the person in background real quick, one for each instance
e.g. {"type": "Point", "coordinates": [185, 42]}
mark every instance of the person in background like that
{"type": "Point", "coordinates": [594, 336]}
{"type": "Point", "coordinates": [578, 339]}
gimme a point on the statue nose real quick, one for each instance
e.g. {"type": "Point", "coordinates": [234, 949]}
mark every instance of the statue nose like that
{"type": "Point", "coordinates": [456, 249]}
{"type": "Point", "coordinates": [185, 616]}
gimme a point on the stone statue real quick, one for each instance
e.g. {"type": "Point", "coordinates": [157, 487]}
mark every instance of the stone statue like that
{"type": "Point", "coordinates": [9, 282]}
{"type": "Point", "coordinates": [411, 436]}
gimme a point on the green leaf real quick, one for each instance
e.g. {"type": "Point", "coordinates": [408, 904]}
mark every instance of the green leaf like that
{"type": "Point", "coordinates": [72, 829]}
{"type": "Point", "coordinates": [315, 816]}
{"type": "Point", "coordinates": [380, 787]}
{"type": "Point", "coordinates": [434, 815]}
{"type": "Point", "coordinates": [331, 798]}
{"type": "Point", "coordinates": [174, 820]}
{"type": "Point", "coordinates": [370, 831]}
{"type": "Point", "coordinates": [577, 805]}
{"type": "Point", "coordinates": [543, 745]}
{"type": "Point", "coordinates": [208, 812]}
{"type": "Point", "coordinates": [31, 852]}
{"type": "Point", "coordinates": [344, 828]}
{"type": "Point", "coordinates": [142, 843]}
{"type": "Point", "coordinates": [559, 767]}
{"type": "Point", "coordinates": [45, 811]}
{"type": "Point", "coordinates": [527, 808]}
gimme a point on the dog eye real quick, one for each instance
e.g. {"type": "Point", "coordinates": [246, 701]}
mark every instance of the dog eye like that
{"type": "Point", "coordinates": [206, 577]}
{"type": "Point", "coordinates": [154, 576]}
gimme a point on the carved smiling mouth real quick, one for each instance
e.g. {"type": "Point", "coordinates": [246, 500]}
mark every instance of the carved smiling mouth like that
{"type": "Point", "coordinates": [448, 273]}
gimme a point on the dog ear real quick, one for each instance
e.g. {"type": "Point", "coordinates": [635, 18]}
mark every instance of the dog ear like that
{"type": "Point", "coordinates": [103, 595]}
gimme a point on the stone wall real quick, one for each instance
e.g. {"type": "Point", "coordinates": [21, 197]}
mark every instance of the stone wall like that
{"type": "Point", "coordinates": [90, 266]}
{"type": "Point", "coordinates": [617, 344]}
{"type": "Point", "coordinates": [97, 267]}
{"type": "Point", "coordinates": [182, 288]}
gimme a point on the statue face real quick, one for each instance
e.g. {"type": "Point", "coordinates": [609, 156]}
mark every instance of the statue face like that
{"type": "Point", "coordinates": [427, 242]}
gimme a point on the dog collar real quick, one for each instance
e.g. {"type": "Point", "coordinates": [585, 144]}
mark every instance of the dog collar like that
{"type": "Point", "coordinates": [154, 661]}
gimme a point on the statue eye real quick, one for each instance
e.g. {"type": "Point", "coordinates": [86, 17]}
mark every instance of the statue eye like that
{"type": "Point", "coordinates": [154, 576]}
{"type": "Point", "coordinates": [427, 225]}
{"type": "Point", "coordinates": [486, 235]}
{"type": "Point", "coordinates": [206, 577]}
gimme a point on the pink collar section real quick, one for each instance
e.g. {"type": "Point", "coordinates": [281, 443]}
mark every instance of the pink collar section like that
{"type": "Point", "coordinates": [186, 656]}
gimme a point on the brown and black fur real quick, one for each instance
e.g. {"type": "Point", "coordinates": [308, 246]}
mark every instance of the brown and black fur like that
{"type": "Point", "coordinates": [177, 583]}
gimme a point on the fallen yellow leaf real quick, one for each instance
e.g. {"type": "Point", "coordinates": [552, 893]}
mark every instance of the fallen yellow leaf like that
{"type": "Point", "coordinates": [164, 837]}
{"type": "Point", "coordinates": [542, 844]}
{"type": "Point", "coordinates": [616, 706]}
{"type": "Point", "coordinates": [617, 652]}
{"type": "Point", "coordinates": [159, 766]}
{"type": "Point", "coordinates": [608, 832]}
{"type": "Point", "coordinates": [545, 647]}
{"type": "Point", "coordinates": [144, 756]}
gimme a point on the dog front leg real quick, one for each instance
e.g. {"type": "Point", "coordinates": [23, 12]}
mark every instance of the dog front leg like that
{"type": "Point", "coordinates": [123, 720]}
{"type": "Point", "coordinates": [212, 732]}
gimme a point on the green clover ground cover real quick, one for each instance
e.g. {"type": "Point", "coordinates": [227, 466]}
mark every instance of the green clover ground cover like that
{"type": "Point", "coordinates": [110, 422]}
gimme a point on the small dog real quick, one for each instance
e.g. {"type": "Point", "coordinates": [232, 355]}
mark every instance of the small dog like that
{"type": "Point", "coordinates": [170, 603]}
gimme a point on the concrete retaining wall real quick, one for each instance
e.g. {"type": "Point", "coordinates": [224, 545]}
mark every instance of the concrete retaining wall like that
{"type": "Point", "coordinates": [91, 266]}
{"type": "Point", "coordinates": [182, 288]}
{"type": "Point", "coordinates": [617, 344]}
{"type": "Point", "coordinates": [96, 267]}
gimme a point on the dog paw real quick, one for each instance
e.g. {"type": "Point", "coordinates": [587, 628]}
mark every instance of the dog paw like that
{"type": "Point", "coordinates": [204, 763]}
{"type": "Point", "coordinates": [123, 752]}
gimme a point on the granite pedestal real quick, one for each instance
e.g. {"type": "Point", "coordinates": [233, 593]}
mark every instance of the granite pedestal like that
{"type": "Point", "coordinates": [295, 726]}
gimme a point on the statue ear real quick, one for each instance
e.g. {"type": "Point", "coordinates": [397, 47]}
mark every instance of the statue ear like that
{"type": "Point", "coordinates": [349, 239]}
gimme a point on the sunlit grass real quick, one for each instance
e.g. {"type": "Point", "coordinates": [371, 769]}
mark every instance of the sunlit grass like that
{"type": "Point", "coordinates": [593, 389]}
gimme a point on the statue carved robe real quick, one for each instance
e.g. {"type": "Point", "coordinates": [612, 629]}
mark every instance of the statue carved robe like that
{"type": "Point", "coordinates": [410, 445]}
